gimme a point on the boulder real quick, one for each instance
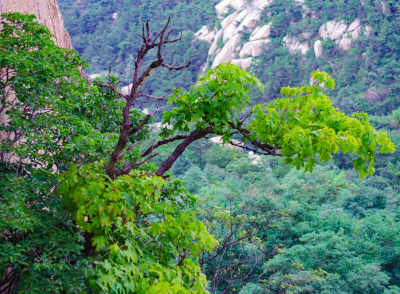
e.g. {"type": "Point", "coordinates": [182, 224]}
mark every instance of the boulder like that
{"type": "Point", "coordinates": [228, 20]}
{"type": "Point", "coordinates": [345, 43]}
{"type": "Point", "coordinates": [318, 48]}
{"type": "Point", "coordinates": [354, 29]}
{"type": "Point", "coordinates": [227, 52]}
{"type": "Point", "coordinates": [261, 32]}
{"type": "Point", "coordinates": [368, 31]}
{"type": "Point", "coordinates": [222, 7]}
{"type": "Point", "coordinates": [214, 45]}
{"type": "Point", "coordinates": [243, 62]}
{"type": "Point", "coordinates": [333, 30]}
{"type": "Point", "coordinates": [294, 45]}
{"type": "Point", "coordinates": [252, 48]}
{"type": "Point", "coordinates": [354, 25]}
{"type": "Point", "coordinates": [250, 20]}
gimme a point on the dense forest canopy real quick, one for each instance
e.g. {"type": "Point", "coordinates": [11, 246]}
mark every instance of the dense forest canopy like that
{"type": "Point", "coordinates": [189, 202]}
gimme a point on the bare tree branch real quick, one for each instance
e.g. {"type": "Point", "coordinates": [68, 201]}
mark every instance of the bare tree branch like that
{"type": "Point", "coordinates": [144, 121]}
{"type": "Point", "coordinates": [112, 88]}
{"type": "Point", "coordinates": [162, 142]}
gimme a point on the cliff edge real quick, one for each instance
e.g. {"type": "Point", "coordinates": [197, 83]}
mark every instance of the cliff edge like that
{"type": "Point", "coordinates": [46, 12]}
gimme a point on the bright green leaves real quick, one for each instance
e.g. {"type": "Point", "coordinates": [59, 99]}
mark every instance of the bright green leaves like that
{"type": "Point", "coordinates": [307, 127]}
{"type": "Point", "coordinates": [323, 79]}
{"type": "Point", "coordinates": [213, 101]}
{"type": "Point", "coordinates": [57, 117]}
{"type": "Point", "coordinates": [146, 236]}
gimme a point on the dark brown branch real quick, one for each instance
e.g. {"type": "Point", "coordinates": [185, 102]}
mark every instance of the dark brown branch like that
{"type": "Point", "coordinates": [152, 97]}
{"type": "Point", "coordinates": [193, 136]}
{"type": "Point", "coordinates": [112, 88]}
{"type": "Point", "coordinates": [138, 80]}
{"type": "Point", "coordinates": [144, 121]}
{"type": "Point", "coordinates": [162, 142]}
{"type": "Point", "coordinates": [268, 149]}
{"type": "Point", "coordinates": [128, 149]}
{"type": "Point", "coordinates": [171, 68]}
{"type": "Point", "coordinates": [131, 165]}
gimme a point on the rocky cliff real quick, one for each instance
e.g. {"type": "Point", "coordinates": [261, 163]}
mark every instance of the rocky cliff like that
{"type": "Point", "coordinates": [46, 12]}
{"type": "Point", "coordinates": [240, 36]}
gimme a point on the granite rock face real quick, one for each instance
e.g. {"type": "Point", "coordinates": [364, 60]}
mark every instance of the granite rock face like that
{"type": "Point", "coordinates": [46, 12]}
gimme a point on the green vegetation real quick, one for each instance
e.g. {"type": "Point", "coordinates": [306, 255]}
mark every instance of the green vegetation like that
{"type": "Point", "coordinates": [88, 204]}
{"type": "Point", "coordinates": [106, 33]}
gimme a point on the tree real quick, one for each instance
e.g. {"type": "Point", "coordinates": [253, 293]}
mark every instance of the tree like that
{"type": "Point", "coordinates": [139, 227]}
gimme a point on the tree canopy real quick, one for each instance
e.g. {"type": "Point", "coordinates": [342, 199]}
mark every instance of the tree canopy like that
{"type": "Point", "coordinates": [127, 225]}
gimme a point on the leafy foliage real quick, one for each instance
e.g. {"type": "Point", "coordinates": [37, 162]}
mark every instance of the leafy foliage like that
{"type": "Point", "coordinates": [306, 125]}
{"type": "Point", "coordinates": [128, 229]}
{"type": "Point", "coordinates": [39, 241]}
{"type": "Point", "coordinates": [51, 111]}
{"type": "Point", "coordinates": [147, 239]}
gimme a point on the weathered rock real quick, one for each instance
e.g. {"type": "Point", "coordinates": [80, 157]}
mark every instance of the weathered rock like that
{"type": "Point", "coordinates": [243, 62]}
{"type": "Point", "coordinates": [261, 32]}
{"type": "Point", "coordinates": [229, 32]}
{"type": "Point", "coordinates": [345, 43]}
{"type": "Point", "coordinates": [252, 48]}
{"type": "Point", "coordinates": [227, 52]}
{"type": "Point", "coordinates": [354, 25]}
{"type": "Point", "coordinates": [46, 12]}
{"type": "Point", "coordinates": [384, 8]}
{"type": "Point", "coordinates": [222, 7]}
{"type": "Point", "coordinates": [127, 89]}
{"type": "Point", "coordinates": [205, 34]}
{"type": "Point", "coordinates": [260, 4]}
{"type": "Point", "coordinates": [333, 30]}
{"type": "Point", "coordinates": [214, 45]}
{"type": "Point", "coordinates": [250, 20]}
{"type": "Point", "coordinates": [318, 48]}
{"type": "Point", "coordinates": [354, 29]}
{"type": "Point", "coordinates": [294, 45]}
{"type": "Point", "coordinates": [368, 31]}
{"type": "Point", "coordinates": [228, 20]}
{"type": "Point", "coordinates": [93, 76]}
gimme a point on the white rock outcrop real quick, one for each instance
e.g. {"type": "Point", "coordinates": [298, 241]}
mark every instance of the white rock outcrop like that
{"type": "Point", "coordinates": [228, 20]}
{"type": "Point", "coordinates": [333, 30]}
{"type": "Point", "coordinates": [243, 62]}
{"type": "Point", "coordinates": [318, 48]}
{"type": "Point", "coordinates": [205, 34]}
{"type": "Point", "coordinates": [226, 42]}
{"type": "Point", "coordinates": [342, 34]}
{"type": "Point", "coordinates": [214, 45]}
{"type": "Point", "coordinates": [252, 48]}
{"type": "Point", "coordinates": [224, 5]}
{"type": "Point", "coordinates": [261, 32]}
{"type": "Point", "coordinates": [227, 52]}
{"type": "Point", "coordinates": [294, 45]}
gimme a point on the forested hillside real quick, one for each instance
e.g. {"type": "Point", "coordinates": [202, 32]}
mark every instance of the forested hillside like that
{"type": "Point", "coordinates": [106, 33]}
{"type": "Point", "coordinates": [323, 233]}
{"type": "Point", "coordinates": [366, 74]}
{"type": "Point", "coordinates": [202, 177]}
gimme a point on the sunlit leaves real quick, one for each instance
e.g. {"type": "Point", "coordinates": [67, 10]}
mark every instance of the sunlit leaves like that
{"type": "Point", "coordinates": [217, 96]}
{"type": "Point", "coordinates": [146, 236]}
{"type": "Point", "coordinates": [306, 127]}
